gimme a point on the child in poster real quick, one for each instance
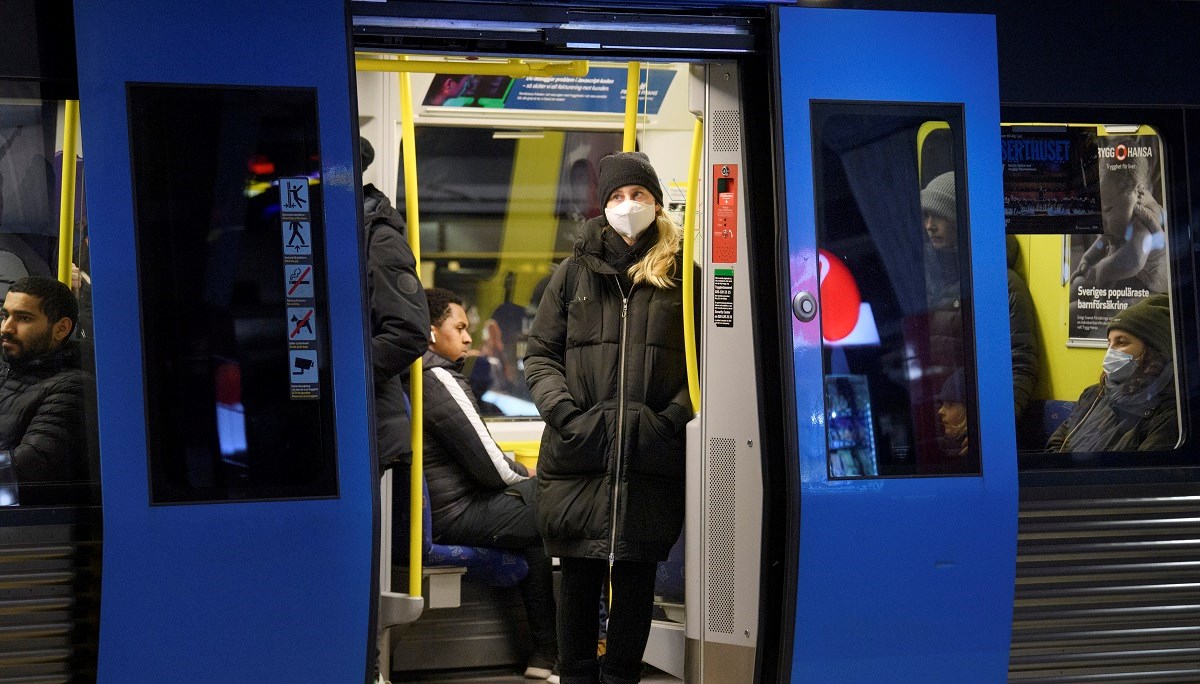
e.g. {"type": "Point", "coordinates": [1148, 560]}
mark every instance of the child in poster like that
{"type": "Point", "coordinates": [1127, 262]}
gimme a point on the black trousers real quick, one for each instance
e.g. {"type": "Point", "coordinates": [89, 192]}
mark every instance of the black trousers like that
{"type": "Point", "coordinates": [508, 520]}
{"type": "Point", "coordinates": [630, 610]}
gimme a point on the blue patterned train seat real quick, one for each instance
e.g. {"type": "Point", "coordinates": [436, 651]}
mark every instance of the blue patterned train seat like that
{"type": "Point", "coordinates": [668, 583]}
{"type": "Point", "coordinates": [487, 566]}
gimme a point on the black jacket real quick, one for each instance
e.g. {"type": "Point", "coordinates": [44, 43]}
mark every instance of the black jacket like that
{"type": "Point", "coordinates": [399, 323]}
{"type": "Point", "coordinates": [1101, 421]}
{"type": "Point", "coordinates": [1023, 325]}
{"type": "Point", "coordinates": [462, 460]}
{"type": "Point", "coordinates": [613, 392]}
{"type": "Point", "coordinates": [44, 419]}
{"type": "Point", "coordinates": [946, 325]}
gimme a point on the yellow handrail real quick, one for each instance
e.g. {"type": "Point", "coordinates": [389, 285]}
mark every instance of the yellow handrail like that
{"type": "Point", "coordinates": [66, 198]}
{"type": "Point", "coordinates": [689, 250]}
{"type": "Point", "coordinates": [408, 145]}
{"type": "Point", "coordinates": [516, 68]}
{"type": "Point", "coordinates": [632, 86]}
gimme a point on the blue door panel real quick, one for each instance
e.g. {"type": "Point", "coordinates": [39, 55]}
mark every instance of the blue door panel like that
{"type": "Point", "coordinates": [903, 579]}
{"type": "Point", "coordinates": [230, 592]}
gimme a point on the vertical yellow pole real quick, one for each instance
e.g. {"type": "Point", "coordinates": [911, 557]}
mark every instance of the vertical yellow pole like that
{"type": "Point", "coordinates": [66, 199]}
{"type": "Point", "coordinates": [689, 251]}
{"type": "Point", "coordinates": [632, 86]}
{"type": "Point", "coordinates": [408, 145]}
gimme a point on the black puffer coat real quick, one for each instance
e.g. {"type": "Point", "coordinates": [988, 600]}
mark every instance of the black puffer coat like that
{"type": "Point", "coordinates": [43, 417]}
{"type": "Point", "coordinates": [613, 392]}
{"type": "Point", "coordinates": [462, 461]}
{"type": "Point", "coordinates": [399, 323]}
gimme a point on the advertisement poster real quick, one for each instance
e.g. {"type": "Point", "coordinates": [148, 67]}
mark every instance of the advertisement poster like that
{"type": "Point", "coordinates": [601, 90]}
{"type": "Point", "coordinates": [1126, 260]}
{"type": "Point", "coordinates": [1105, 195]}
{"type": "Point", "coordinates": [1050, 180]}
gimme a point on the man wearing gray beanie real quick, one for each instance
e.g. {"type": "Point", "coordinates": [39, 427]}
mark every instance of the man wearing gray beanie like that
{"type": "Point", "coordinates": [939, 209]}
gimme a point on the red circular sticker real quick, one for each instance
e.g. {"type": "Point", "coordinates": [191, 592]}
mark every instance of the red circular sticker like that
{"type": "Point", "coordinates": [840, 298]}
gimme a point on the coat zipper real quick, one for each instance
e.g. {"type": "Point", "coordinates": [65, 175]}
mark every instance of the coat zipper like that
{"type": "Point", "coordinates": [612, 544]}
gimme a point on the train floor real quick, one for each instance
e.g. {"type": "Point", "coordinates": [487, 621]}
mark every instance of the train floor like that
{"type": "Point", "coordinates": [649, 676]}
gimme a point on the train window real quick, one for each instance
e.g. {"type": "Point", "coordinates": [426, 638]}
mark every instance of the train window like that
{"type": "Point", "coordinates": [1085, 208]}
{"type": "Point", "coordinates": [895, 296]}
{"type": "Point", "coordinates": [230, 238]}
{"type": "Point", "coordinates": [498, 210]}
{"type": "Point", "coordinates": [48, 456]}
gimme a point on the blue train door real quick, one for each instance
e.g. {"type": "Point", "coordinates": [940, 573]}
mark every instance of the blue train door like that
{"type": "Point", "coordinates": [904, 406]}
{"type": "Point", "coordinates": [237, 464]}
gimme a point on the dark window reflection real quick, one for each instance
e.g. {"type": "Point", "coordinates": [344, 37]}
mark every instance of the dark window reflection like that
{"type": "Point", "coordinates": [895, 301]}
{"type": "Point", "coordinates": [232, 279]}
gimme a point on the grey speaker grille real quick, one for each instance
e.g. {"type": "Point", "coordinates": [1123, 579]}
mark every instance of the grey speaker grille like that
{"type": "Point", "coordinates": [722, 547]}
{"type": "Point", "coordinates": [726, 131]}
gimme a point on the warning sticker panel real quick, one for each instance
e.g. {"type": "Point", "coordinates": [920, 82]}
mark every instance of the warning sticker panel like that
{"type": "Point", "coordinates": [293, 196]}
{"type": "Point", "coordinates": [297, 238]}
{"type": "Point", "coordinates": [303, 368]}
{"type": "Point", "coordinates": [723, 297]}
{"type": "Point", "coordinates": [298, 281]}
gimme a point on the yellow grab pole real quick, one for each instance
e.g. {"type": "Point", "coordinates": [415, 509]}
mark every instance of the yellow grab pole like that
{"type": "Point", "coordinates": [632, 83]}
{"type": "Point", "coordinates": [689, 251]}
{"type": "Point", "coordinates": [408, 144]}
{"type": "Point", "coordinates": [66, 198]}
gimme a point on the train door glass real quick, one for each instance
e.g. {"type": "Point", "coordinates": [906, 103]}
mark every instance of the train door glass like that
{"type": "Point", "coordinates": [1094, 338]}
{"type": "Point", "coordinates": [47, 393]}
{"type": "Point", "coordinates": [237, 353]}
{"type": "Point", "coordinates": [898, 376]}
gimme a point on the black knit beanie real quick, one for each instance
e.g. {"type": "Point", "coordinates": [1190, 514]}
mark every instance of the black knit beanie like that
{"type": "Point", "coordinates": [627, 168]}
{"type": "Point", "coordinates": [1149, 320]}
{"type": "Point", "coordinates": [938, 198]}
{"type": "Point", "coordinates": [366, 153]}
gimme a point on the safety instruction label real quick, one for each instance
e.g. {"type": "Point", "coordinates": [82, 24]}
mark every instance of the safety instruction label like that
{"type": "Point", "coordinates": [298, 280]}
{"type": "Point", "coordinates": [295, 223]}
{"type": "Point", "coordinates": [293, 196]}
{"type": "Point", "coordinates": [297, 238]}
{"type": "Point", "coordinates": [305, 383]}
{"type": "Point", "coordinates": [723, 297]}
{"type": "Point", "coordinates": [301, 324]}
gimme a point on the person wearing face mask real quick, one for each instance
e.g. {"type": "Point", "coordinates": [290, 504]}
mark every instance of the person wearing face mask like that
{"type": "Point", "coordinates": [1132, 408]}
{"type": "Point", "coordinates": [605, 365]}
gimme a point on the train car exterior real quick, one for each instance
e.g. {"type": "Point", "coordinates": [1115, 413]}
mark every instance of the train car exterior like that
{"type": "Point", "coordinates": [839, 527]}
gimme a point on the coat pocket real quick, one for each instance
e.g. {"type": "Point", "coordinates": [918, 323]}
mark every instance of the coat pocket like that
{"type": "Point", "coordinates": [580, 448]}
{"type": "Point", "coordinates": [658, 447]}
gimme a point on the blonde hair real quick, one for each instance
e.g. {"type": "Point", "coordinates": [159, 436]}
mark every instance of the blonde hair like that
{"type": "Point", "coordinates": [658, 266]}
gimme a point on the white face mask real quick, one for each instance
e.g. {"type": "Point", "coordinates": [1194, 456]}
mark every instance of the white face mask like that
{"type": "Point", "coordinates": [1118, 365]}
{"type": "Point", "coordinates": [630, 218]}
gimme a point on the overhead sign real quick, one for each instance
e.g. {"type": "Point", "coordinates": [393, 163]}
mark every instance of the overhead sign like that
{"type": "Point", "coordinates": [601, 90]}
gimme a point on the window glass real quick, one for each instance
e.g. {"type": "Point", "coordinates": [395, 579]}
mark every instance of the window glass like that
{"type": "Point", "coordinates": [1086, 207]}
{"type": "Point", "coordinates": [48, 456]}
{"type": "Point", "coordinates": [498, 211]}
{"type": "Point", "coordinates": [230, 232]}
{"type": "Point", "coordinates": [895, 296]}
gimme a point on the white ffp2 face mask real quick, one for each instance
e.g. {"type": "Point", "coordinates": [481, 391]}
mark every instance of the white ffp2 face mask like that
{"type": "Point", "coordinates": [630, 218]}
{"type": "Point", "coordinates": [1118, 365]}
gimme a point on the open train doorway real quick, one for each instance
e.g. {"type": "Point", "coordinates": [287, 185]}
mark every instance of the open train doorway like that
{"type": "Point", "coordinates": [507, 155]}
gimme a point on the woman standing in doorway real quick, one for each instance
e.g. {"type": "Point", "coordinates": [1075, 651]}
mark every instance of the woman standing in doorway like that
{"type": "Point", "coordinates": [607, 370]}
